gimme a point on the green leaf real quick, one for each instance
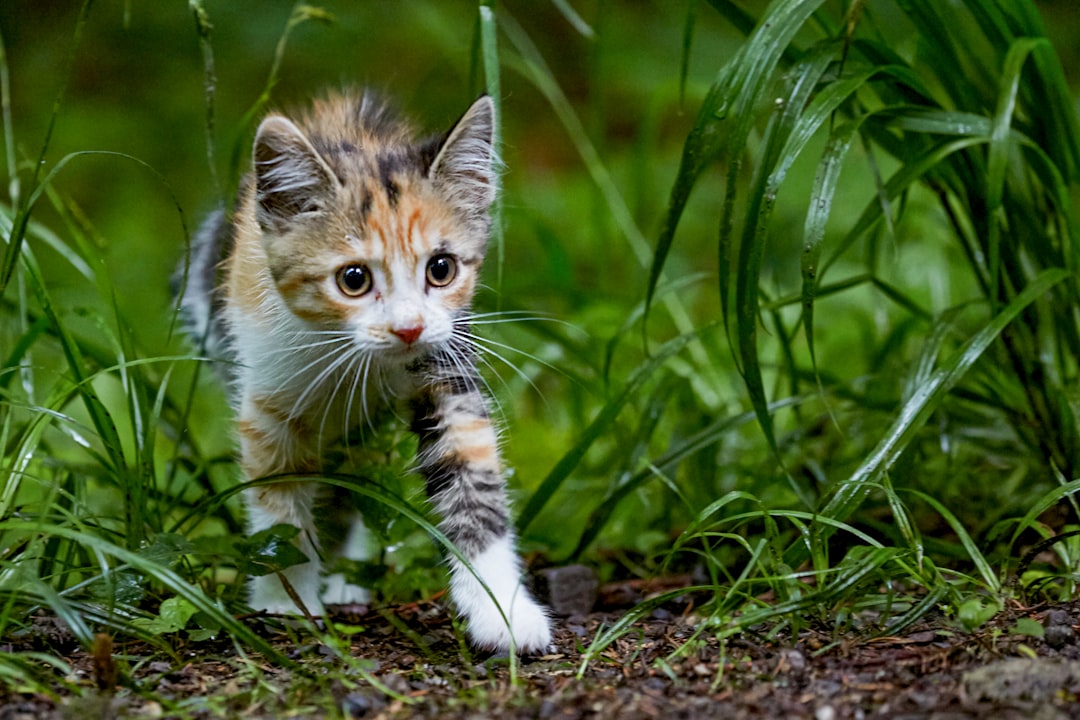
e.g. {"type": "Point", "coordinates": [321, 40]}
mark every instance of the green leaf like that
{"type": "Point", "coordinates": [270, 550]}
{"type": "Point", "coordinates": [172, 617]}
{"type": "Point", "coordinates": [975, 612]}
{"type": "Point", "coordinates": [1029, 627]}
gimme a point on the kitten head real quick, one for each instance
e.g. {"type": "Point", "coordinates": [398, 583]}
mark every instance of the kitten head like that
{"type": "Point", "coordinates": [367, 230]}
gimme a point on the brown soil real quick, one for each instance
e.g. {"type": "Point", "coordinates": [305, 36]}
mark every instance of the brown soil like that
{"type": "Point", "coordinates": [661, 668]}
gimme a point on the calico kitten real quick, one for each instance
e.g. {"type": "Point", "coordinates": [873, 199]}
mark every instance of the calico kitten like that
{"type": "Point", "coordinates": [342, 285]}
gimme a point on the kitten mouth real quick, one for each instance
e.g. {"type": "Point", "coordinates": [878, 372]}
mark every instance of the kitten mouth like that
{"type": "Point", "coordinates": [408, 352]}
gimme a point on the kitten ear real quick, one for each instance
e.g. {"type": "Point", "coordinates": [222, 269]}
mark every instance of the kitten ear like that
{"type": "Point", "coordinates": [464, 167]}
{"type": "Point", "coordinates": [290, 176]}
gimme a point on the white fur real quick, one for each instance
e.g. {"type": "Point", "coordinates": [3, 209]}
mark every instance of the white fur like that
{"type": "Point", "coordinates": [500, 569]}
{"type": "Point", "coordinates": [266, 591]}
{"type": "Point", "coordinates": [357, 546]}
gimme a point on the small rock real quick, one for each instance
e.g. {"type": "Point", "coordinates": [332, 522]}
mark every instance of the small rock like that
{"type": "Point", "coordinates": [1058, 636]}
{"type": "Point", "coordinates": [360, 704]}
{"type": "Point", "coordinates": [661, 614]}
{"type": "Point", "coordinates": [825, 712]}
{"type": "Point", "coordinates": [826, 688]}
{"type": "Point", "coordinates": [569, 590]}
{"type": "Point", "coordinates": [1057, 617]}
{"type": "Point", "coordinates": [655, 684]}
{"type": "Point", "coordinates": [395, 683]}
{"type": "Point", "coordinates": [795, 660]}
{"type": "Point", "coordinates": [1023, 679]}
{"type": "Point", "coordinates": [577, 629]}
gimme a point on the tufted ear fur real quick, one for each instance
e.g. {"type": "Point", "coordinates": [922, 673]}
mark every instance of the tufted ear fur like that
{"type": "Point", "coordinates": [464, 168]}
{"type": "Point", "coordinates": [290, 176]}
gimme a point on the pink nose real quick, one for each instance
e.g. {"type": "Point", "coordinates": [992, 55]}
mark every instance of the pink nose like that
{"type": "Point", "coordinates": [408, 335]}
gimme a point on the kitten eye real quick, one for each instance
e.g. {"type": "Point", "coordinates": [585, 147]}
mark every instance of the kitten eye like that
{"type": "Point", "coordinates": [441, 270]}
{"type": "Point", "coordinates": [354, 280]}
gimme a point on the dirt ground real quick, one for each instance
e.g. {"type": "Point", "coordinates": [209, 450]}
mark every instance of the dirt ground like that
{"type": "Point", "coordinates": [659, 669]}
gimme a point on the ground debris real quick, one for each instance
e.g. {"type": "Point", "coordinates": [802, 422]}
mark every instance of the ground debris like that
{"type": "Point", "coordinates": [668, 665]}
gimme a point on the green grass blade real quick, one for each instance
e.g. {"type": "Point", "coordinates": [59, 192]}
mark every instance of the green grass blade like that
{"type": "Point", "coordinates": [205, 30]}
{"type": "Point", "coordinates": [489, 52]}
{"type": "Point", "coordinates": [666, 463]}
{"type": "Point", "coordinates": [742, 20]}
{"type": "Point", "coordinates": [787, 136]}
{"type": "Point", "coordinates": [999, 152]}
{"type": "Point", "coordinates": [723, 124]}
{"type": "Point", "coordinates": [99, 414]}
{"type": "Point", "coordinates": [1043, 503]}
{"type": "Point", "coordinates": [534, 68]}
{"type": "Point", "coordinates": [8, 127]}
{"type": "Point", "coordinates": [168, 577]}
{"type": "Point", "coordinates": [301, 13]}
{"type": "Point", "coordinates": [600, 424]}
{"type": "Point", "coordinates": [926, 398]}
{"type": "Point", "coordinates": [989, 576]}
{"type": "Point", "coordinates": [687, 44]}
{"type": "Point", "coordinates": [820, 207]}
{"type": "Point", "coordinates": [575, 20]}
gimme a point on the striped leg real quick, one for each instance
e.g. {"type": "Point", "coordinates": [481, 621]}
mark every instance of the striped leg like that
{"type": "Point", "coordinates": [459, 458]}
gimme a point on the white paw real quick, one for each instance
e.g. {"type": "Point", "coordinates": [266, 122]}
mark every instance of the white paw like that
{"type": "Point", "coordinates": [268, 594]}
{"type": "Point", "coordinates": [529, 629]}
{"type": "Point", "coordinates": [522, 623]}
{"type": "Point", "coordinates": [336, 591]}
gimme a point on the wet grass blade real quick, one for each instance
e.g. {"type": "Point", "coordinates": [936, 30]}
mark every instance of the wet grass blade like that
{"type": "Point", "coordinates": [723, 123]}
{"type": "Point", "coordinates": [989, 576]}
{"type": "Point", "coordinates": [927, 397]}
{"type": "Point", "coordinates": [999, 153]}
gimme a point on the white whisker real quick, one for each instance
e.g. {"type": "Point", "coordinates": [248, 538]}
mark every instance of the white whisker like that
{"type": "Point", "coordinates": [505, 317]}
{"type": "Point", "coordinates": [336, 359]}
{"type": "Point", "coordinates": [475, 343]}
{"type": "Point", "coordinates": [295, 349]}
{"type": "Point", "coordinates": [461, 359]}
{"type": "Point", "coordinates": [352, 359]}
{"type": "Point", "coordinates": [488, 341]}
{"type": "Point", "coordinates": [301, 371]}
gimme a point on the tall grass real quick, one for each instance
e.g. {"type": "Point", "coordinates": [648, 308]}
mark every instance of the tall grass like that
{"type": "Point", "coordinates": [960, 153]}
{"type": "Point", "coordinates": [835, 373]}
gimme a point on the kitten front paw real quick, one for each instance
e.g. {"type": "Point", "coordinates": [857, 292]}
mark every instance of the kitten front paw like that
{"type": "Point", "coordinates": [338, 591]}
{"type": "Point", "coordinates": [266, 593]}
{"type": "Point", "coordinates": [529, 627]}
